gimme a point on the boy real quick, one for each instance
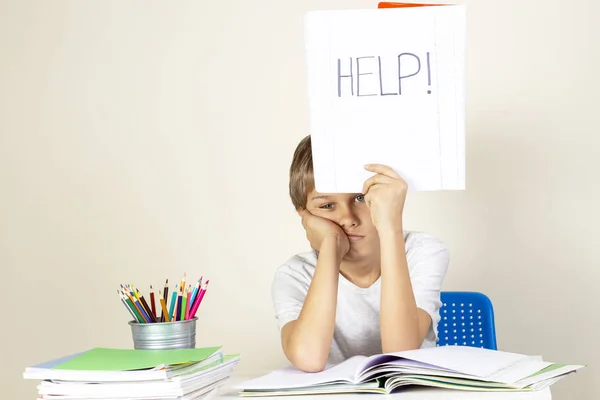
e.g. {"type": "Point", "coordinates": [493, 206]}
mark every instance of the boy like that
{"type": "Point", "coordinates": [368, 287]}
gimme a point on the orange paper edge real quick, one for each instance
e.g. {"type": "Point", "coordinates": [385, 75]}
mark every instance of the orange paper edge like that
{"type": "Point", "coordinates": [387, 4]}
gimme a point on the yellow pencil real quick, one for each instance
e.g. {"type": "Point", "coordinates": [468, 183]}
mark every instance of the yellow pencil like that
{"type": "Point", "coordinates": [164, 308]}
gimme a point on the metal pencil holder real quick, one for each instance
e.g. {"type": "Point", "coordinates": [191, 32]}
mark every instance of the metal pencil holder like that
{"type": "Point", "coordinates": [164, 335]}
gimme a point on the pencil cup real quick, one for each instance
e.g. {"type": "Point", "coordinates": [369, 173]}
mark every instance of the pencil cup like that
{"type": "Point", "coordinates": [164, 335]}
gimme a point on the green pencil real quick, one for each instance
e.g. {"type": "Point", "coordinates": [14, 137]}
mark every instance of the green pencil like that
{"type": "Point", "coordinates": [131, 307]}
{"type": "Point", "coordinates": [183, 303]}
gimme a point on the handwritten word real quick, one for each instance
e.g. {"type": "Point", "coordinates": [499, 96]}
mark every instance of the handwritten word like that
{"type": "Point", "coordinates": [351, 74]}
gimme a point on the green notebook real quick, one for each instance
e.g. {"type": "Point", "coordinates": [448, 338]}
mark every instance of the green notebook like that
{"type": "Point", "coordinates": [104, 359]}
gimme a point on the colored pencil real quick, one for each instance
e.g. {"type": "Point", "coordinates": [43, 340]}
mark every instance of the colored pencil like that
{"type": "Point", "coordinates": [187, 304]}
{"type": "Point", "coordinates": [136, 296]}
{"type": "Point", "coordinates": [196, 288]}
{"type": "Point", "coordinates": [137, 301]}
{"type": "Point", "coordinates": [182, 285]}
{"type": "Point", "coordinates": [132, 290]}
{"type": "Point", "coordinates": [166, 297]}
{"type": "Point", "coordinates": [173, 301]}
{"type": "Point", "coordinates": [165, 313]}
{"type": "Point", "coordinates": [141, 297]}
{"type": "Point", "coordinates": [152, 303]}
{"type": "Point", "coordinates": [199, 300]}
{"type": "Point", "coordinates": [183, 307]}
{"type": "Point", "coordinates": [179, 300]}
{"type": "Point", "coordinates": [122, 297]}
{"type": "Point", "coordinates": [134, 302]}
{"type": "Point", "coordinates": [139, 317]}
{"type": "Point", "coordinates": [140, 308]}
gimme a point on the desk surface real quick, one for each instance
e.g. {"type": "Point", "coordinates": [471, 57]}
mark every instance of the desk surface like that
{"type": "Point", "coordinates": [414, 393]}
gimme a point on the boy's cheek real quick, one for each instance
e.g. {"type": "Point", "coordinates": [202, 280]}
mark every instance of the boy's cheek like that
{"type": "Point", "coordinates": [324, 214]}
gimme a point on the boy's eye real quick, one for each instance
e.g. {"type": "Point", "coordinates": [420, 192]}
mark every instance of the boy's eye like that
{"type": "Point", "coordinates": [327, 206]}
{"type": "Point", "coordinates": [360, 198]}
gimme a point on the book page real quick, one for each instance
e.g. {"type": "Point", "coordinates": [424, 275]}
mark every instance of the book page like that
{"type": "Point", "coordinates": [290, 377]}
{"type": "Point", "coordinates": [473, 361]}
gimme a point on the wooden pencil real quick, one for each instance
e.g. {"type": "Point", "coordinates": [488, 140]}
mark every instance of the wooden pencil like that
{"type": "Point", "coordinates": [179, 299]}
{"type": "Point", "coordinates": [152, 303]}
{"type": "Point", "coordinates": [172, 308]}
{"type": "Point", "coordinates": [166, 297]}
{"type": "Point", "coordinates": [136, 296]}
{"type": "Point", "coordinates": [183, 307]}
{"type": "Point", "coordinates": [139, 307]}
{"type": "Point", "coordinates": [141, 297]}
{"type": "Point", "coordinates": [196, 288]}
{"type": "Point", "coordinates": [163, 305]}
{"type": "Point", "coordinates": [182, 285]}
{"type": "Point", "coordinates": [122, 297]}
{"type": "Point", "coordinates": [199, 300]}
{"type": "Point", "coordinates": [187, 303]}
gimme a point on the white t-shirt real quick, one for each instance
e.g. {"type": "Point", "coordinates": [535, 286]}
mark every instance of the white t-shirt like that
{"type": "Point", "coordinates": [357, 315]}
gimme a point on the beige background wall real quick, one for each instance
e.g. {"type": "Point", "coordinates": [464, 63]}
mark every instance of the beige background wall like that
{"type": "Point", "coordinates": [142, 139]}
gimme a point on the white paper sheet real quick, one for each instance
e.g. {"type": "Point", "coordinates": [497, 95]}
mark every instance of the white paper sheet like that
{"type": "Point", "coordinates": [387, 86]}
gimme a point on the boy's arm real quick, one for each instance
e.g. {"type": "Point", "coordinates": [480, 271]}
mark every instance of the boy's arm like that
{"type": "Point", "coordinates": [306, 340]}
{"type": "Point", "coordinates": [403, 325]}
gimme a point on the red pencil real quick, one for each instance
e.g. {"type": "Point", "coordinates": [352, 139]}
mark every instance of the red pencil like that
{"type": "Point", "coordinates": [152, 304]}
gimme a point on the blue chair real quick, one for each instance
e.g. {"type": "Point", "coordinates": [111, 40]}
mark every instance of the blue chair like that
{"type": "Point", "coordinates": [466, 319]}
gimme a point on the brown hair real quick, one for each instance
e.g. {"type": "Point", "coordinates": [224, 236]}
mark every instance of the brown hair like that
{"type": "Point", "coordinates": [301, 174]}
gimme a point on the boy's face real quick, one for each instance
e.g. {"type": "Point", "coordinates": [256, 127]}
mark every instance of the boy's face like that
{"type": "Point", "coordinates": [351, 213]}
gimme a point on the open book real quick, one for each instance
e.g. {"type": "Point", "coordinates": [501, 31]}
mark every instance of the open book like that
{"type": "Point", "coordinates": [453, 367]}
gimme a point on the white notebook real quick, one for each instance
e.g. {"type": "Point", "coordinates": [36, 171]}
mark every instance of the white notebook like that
{"type": "Point", "coordinates": [387, 86]}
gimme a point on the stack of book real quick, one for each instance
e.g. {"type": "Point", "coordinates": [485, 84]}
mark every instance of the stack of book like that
{"type": "Point", "coordinates": [102, 373]}
{"type": "Point", "coordinates": [451, 367]}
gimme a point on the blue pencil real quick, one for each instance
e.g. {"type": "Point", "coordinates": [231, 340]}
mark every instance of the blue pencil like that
{"type": "Point", "coordinates": [178, 312]}
{"type": "Point", "coordinates": [141, 308]}
{"type": "Point", "coordinates": [195, 291]}
{"type": "Point", "coordinates": [173, 300]}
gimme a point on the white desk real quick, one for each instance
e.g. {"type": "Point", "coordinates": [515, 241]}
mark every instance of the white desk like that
{"type": "Point", "coordinates": [414, 393]}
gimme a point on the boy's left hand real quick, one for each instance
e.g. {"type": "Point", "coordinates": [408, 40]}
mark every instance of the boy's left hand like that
{"type": "Point", "coordinates": [385, 194]}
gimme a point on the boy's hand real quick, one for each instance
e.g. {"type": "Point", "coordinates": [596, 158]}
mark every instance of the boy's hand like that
{"type": "Point", "coordinates": [319, 229]}
{"type": "Point", "coordinates": [385, 194]}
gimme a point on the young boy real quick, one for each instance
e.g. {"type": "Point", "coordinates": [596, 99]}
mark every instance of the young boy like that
{"type": "Point", "coordinates": [368, 287]}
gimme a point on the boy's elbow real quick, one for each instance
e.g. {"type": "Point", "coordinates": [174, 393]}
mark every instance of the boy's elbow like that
{"type": "Point", "coordinates": [307, 362]}
{"type": "Point", "coordinates": [305, 359]}
{"type": "Point", "coordinates": [302, 355]}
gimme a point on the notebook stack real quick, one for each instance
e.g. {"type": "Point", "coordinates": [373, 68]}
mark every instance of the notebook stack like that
{"type": "Point", "coordinates": [450, 367]}
{"type": "Point", "coordinates": [104, 374]}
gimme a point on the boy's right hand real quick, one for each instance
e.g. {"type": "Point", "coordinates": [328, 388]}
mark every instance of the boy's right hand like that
{"type": "Point", "coordinates": [319, 229]}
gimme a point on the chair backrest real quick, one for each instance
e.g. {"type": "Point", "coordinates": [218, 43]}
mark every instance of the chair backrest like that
{"type": "Point", "coordinates": [466, 319]}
